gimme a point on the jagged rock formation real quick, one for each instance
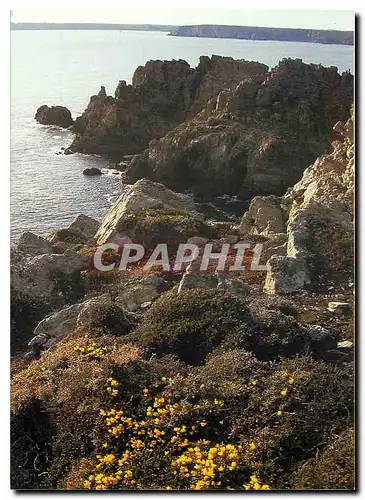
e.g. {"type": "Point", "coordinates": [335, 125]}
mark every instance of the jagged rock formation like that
{"type": "Point", "coordinates": [162, 95]}
{"type": "Point", "coordinates": [255, 139]}
{"type": "Point", "coordinates": [55, 115]}
{"type": "Point", "coordinates": [319, 211]}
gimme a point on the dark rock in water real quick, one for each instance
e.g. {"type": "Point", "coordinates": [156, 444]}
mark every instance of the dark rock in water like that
{"type": "Point", "coordinates": [55, 115]}
{"type": "Point", "coordinates": [92, 171]}
{"type": "Point", "coordinates": [68, 151]}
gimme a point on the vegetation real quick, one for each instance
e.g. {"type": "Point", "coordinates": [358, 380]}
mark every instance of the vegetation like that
{"type": "Point", "coordinates": [233, 423]}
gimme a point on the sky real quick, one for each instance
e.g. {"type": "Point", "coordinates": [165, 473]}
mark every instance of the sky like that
{"type": "Point", "coordinates": [293, 18]}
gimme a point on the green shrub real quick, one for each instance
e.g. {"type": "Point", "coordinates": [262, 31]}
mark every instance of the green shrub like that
{"type": "Point", "coordinates": [151, 227]}
{"type": "Point", "coordinates": [269, 336]}
{"type": "Point", "coordinates": [289, 409]}
{"type": "Point", "coordinates": [107, 318]}
{"type": "Point", "coordinates": [26, 313]}
{"type": "Point", "coordinates": [190, 324]}
{"type": "Point", "coordinates": [332, 469]}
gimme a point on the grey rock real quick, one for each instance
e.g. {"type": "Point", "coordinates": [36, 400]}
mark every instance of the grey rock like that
{"type": "Point", "coordinates": [92, 171]}
{"type": "Point", "coordinates": [142, 195]}
{"type": "Point", "coordinates": [233, 286]}
{"type": "Point", "coordinates": [85, 225]}
{"type": "Point", "coordinates": [285, 275]}
{"type": "Point", "coordinates": [31, 244]}
{"type": "Point", "coordinates": [58, 325]}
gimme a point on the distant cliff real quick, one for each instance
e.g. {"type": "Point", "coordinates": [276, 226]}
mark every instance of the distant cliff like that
{"type": "Point", "coordinates": [260, 33]}
{"type": "Point", "coordinates": [91, 26]}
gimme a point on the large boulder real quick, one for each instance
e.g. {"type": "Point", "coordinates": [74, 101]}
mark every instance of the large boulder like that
{"type": "Point", "coordinates": [55, 327]}
{"type": "Point", "coordinates": [138, 200]}
{"type": "Point", "coordinates": [32, 244]}
{"type": "Point", "coordinates": [54, 115]}
{"type": "Point", "coordinates": [82, 229]}
{"type": "Point", "coordinates": [85, 225]}
{"type": "Point", "coordinates": [264, 217]}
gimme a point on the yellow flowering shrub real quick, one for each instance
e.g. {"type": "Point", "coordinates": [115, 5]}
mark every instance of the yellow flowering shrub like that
{"type": "Point", "coordinates": [168, 446]}
{"type": "Point", "coordinates": [92, 350]}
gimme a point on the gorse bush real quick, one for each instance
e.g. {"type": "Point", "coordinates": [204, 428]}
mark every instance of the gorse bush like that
{"type": "Point", "coordinates": [106, 318]}
{"type": "Point", "coordinates": [190, 324]}
{"type": "Point", "coordinates": [332, 469]}
{"type": "Point", "coordinates": [236, 422]}
{"type": "Point", "coordinates": [196, 323]}
{"type": "Point", "coordinates": [269, 335]}
{"type": "Point", "coordinates": [170, 446]}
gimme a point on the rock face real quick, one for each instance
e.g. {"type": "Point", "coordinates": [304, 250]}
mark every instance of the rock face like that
{"type": "Point", "coordinates": [320, 221]}
{"type": "Point", "coordinates": [32, 244]}
{"type": "Point", "coordinates": [36, 275]}
{"type": "Point", "coordinates": [141, 197]}
{"type": "Point", "coordinates": [56, 326]}
{"type": "Point", "coordinates": [265, 216]}
{"type": "Point", "coordinates": [254, 139]}
{"type": "Point", "coordinates": [162, 95]}
{"type": "Point", "coordinates": [55, 115]}
{"type": "Point", "coordinates": [84, 225]}
{"type": "Point", "coordinates": [134, 295]}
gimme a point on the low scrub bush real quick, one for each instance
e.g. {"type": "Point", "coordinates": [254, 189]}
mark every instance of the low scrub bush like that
{"type": "Point", "coordinates": [190, 324]}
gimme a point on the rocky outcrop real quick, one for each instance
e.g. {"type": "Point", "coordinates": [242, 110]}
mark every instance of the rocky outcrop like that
{"type": "Point", "coordinates": [79, 232]}
{"type": "Point", "coordinates": [320, 221]}
{"type": "Point", "coordinates": [139, 199]}
{"type": "Point", "coordinates": [264, 217]}
{"type": "Point", "coordinates": [38, 275]}
{"type": "Point", "coordinates": [256, 139]}
{"type": "Point", "coordinates": [135, 295]}
{"type": "Point", "coordinates": [31, 244]}
{"type": "Point", "coordinates": [162, 95]}
{"type": "Point", "coordinates": [54, 115]}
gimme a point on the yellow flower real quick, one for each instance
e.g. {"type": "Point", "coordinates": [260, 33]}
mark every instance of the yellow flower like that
{"type": "Point", "coordinates": [253, 382]}
{"type": "Point", "coordinates": [284, 392]}
{"type": "Point", "coordinates": [291, 380]}
{"type": "Point", "coordinates": [252, 446]}
{"type": "Point", "coordinates": [279, 413]}
{"type": "Point", "coordinates": [163, 379]}
{"type": "Point", "coordinates": [109, 459]}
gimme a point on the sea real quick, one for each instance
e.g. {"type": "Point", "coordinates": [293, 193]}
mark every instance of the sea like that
{"type": "Point", "coordinates": [65, 68]}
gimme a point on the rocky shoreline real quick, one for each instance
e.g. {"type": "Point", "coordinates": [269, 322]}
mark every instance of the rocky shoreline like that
{"type": "Point", "coordinates": [228, 346]}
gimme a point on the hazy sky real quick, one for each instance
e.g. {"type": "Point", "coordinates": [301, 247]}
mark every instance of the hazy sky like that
{"type": "Point", "coordinates": [324, 19]}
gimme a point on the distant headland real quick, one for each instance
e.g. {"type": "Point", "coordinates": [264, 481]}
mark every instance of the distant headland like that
{"type": "Point", "coordinates": [209, 31]}
{"type": "Point", "coordinates": [261, 33]}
